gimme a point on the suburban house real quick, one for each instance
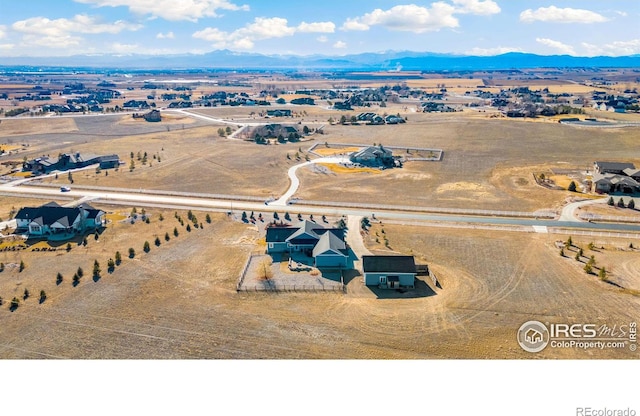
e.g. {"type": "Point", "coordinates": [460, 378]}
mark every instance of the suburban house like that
{"type": "Point", "coordinates": [389, 272]}
{"type": "Point", "coordinates": [279, 113]}
{"type": "Point", "coordinates": [612, 167]}
{"type": "Point", "coordinates": [52, 220]}
{"type": "Point", "coordinates": [373, 156]}
{"type": "Point", "coordinates": [613, 177]}
{"type": "Point", "coordinates": [325, 245]}
{"type": "Point", "coordinates": [46, 164]}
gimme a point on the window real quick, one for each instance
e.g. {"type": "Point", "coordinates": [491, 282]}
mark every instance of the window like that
{"type": "Point", "coordinates": [383, 279]}
{"type": "Point", "coordinates": [270, 245]}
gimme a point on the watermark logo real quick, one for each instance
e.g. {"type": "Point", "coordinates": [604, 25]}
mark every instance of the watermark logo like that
{"type": "Point", "coordinates": [533, 336]}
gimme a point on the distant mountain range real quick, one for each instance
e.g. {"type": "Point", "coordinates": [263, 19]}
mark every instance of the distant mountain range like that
{"type": "Point", "coordinates": [386, 61]}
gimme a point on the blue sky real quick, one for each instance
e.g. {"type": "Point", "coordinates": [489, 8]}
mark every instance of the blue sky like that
{"type": "Point", "coordinates": [328, 27]}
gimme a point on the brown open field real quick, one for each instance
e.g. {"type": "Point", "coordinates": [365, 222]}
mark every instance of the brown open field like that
{"type": "Point", "coordinates": [488, 162]}
{"type": "Point", "coordinates": [21, 126]}
{"type": "Point", "coordinates": [178, 300]}
{"type": "Point", "coordinates": [492, 169]}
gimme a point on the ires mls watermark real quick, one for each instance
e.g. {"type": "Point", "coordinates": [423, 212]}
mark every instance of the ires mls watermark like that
{"type": "Point", "coordinates": [535, 336]}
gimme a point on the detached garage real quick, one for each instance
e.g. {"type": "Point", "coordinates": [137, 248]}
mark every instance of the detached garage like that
{"type": "Point", "coordinates": [389, 272]}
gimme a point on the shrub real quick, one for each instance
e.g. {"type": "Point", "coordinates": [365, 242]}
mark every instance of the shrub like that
{"type": "Point", "coordinates": [43, 296]}
{"type": "Point", "coordinates": [111, 265]}
{"type": "Point", "coordinates": [602, 274]}
{"type": "Point", "coordinates": [68, 247]}
{"type": "Point", "coordinates": [59, 278]}
{"type": "Point", "coordinates": [632, 204]}
{"type": "Point", "coordinates": [175, 232]}
{"type": "Point", "coordinates": [80, 272]}
{"type": "Point", "coordinates": [157, 242]}
{"type": "Point", "coordinates": [118, 258]}
{"type": "Point", "coordinates": [146, 247]}
{"type": "Point", "coordinates": [208, 219]}
{"type": "Point", "coordinates": [96, 269]}
{"type": "Point", "coordinates": [610, 202]}
{"type": "Point", "coordinates": [588, 269]}
{"type": "Point", "coordinates": [572, 187]}
{"type": "Point", "coordinates": [15, 302]}
{"type": "Point", "coordinates": [188, 228]}
{"type": "Point", "coordinates": [621, 203]}
{"type": "Point", "coordinates": [22, 266]}
{"type": "Point", "coordinates": [132, 253]}
{"type": "Point", "coordinates": [76, 279]}
{"type": "Point", "coordinates": [26, 294]}
{"type": "Point", "coordinates": [166, 237]}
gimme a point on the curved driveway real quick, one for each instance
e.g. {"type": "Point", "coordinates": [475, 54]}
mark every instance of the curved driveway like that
{"type": "Point", "coordinates": [295, 182]}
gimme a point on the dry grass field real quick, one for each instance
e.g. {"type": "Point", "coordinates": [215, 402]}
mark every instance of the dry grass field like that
{"type": "Point", "coordinates": [178, 301]}
{"type": "Point", "coordinates": [487, 162]}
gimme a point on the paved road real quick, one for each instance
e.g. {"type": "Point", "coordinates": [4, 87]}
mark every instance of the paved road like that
{"type": "Point", "coordinates": [175, 202]}
{"type": "Point", "coordinates": [354, 240]}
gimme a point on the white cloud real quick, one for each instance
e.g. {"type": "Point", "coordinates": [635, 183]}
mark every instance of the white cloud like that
{"type": "Point", "coordinates": [171, 9]}
{"type": "Point", "coordinates": [6, 46]}
{"type": "Point", "coordinates": [262, 28]}
{"type": "Point", "coordinates": [322, 39]}
{"type": "Point", "coordinates": [558, 15]}
{"type": "Point", "coordinates": [499, 50]}
{"type": "Point", "coordinates": [562, 48]}
{"type": "Point", "coordinates": [409, 18]}
{"type": "Point", "coordinates": [479, 7]}
{"type": "Point", "coordinates": [168, 35]}
{"type": "Point", "coordinates": [340, 45]}
{"type": "Point", "coordinates": [354, 24]}
{"type": "Point", "coordinates": [616, 48]}
{"type": "Point", "coordinates": [318, 27]}
{"type": "Point", "coordinates": [80, 23]}
{"type": "Point", "coordinates": [3, 31]}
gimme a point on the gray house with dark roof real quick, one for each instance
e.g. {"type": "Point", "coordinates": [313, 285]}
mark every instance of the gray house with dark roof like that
{"type": "Point", "coordinates": [373, 156]}
{"type": "Point", "coordinates": [612, 167]}
{"type": "Point", "coordinates": [389, 272]}
{"type": "Point", "coordinates": [56, 222]}
{"type": "Point", "coordinates": [325, 245]}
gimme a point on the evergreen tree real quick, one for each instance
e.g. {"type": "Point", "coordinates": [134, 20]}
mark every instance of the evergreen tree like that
{"type": "Point", "coordinates": [118, 258]}
{"type": "Point", "coordinates": [621, 203]}
{"type": "Point", "coordinates": [146, 247]}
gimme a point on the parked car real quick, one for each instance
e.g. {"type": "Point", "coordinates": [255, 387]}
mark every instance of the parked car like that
{"type": "Point", "coordinates": [64, 189]}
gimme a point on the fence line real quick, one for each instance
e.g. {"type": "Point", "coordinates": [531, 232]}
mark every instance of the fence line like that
{"type": "Point", "coordinates": [439, 152]}
{"type": "Point", "coordinates": [610, 218]}
{"type": "Point", "coordinates": [593, 233]}
{"type": "Point", "coordinates": [244, 272]}
{"type": "Point", "coordinates": [157, 192]}
{"type": "Point", "coordinates": [291, 288]}
{"type": "Point", "coordinates": [477, 212]}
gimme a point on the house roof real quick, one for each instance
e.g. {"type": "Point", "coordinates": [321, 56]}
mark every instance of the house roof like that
{"type": "Point", "coordinates": [614, 179]}
{"type": "Point", "coordinates": [631, 172]}
{"type": "Point", "coordinates": [372, 152]}
{"type": "Point", "coordinates": [48, 215]}
{"type": "Point", "coordinates": [388, 264]}
{"type": "Point", "coordinates": [614, 166]}
{"type": "Point", "coordinates": [329, 243]}
{"type": "Point", "coordinates": [305, 233]}
{"type": "Point", "coordinates": [279, 234]}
